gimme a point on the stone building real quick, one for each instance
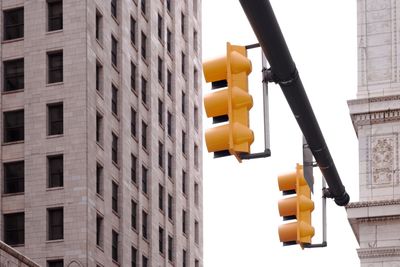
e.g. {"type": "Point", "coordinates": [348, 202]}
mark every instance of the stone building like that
{"type": "Point", "coordinates": [375, 219]}
{"type": "Point", "coordinates": [101, 132]}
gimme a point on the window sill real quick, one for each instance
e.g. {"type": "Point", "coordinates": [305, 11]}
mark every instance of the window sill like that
{"type": "Point", "coordinates": [13, 143]}
{"type": "Point", "coordinates": [54, 32]}
{"type": "Point", "coordinates": [134, 91]}
{"type": "Point", "coordinates": [134, 45]}
{"type": "Point", "coordinates": [54, 84]}
{"type": "Point", "coordinates": [145, 105]}
{"type": "Point", "coordinates": [13, 194]}
{"type": "Point", "coordinates": [134, 138]}
{"type": "Point", "coordinates": [55, 188]}
{"type": "Point", "coordinates": [54, 241]}
{"type": "Point", "coordinates": [100, 94]}
{"type": "Point", "coordinates": [115, 164]}
{"type": "Point", "coordinates": [171, 220]}
{"type": "Point", "coordinates": [54, 136]}
{"type": "Point", "coordinates": [115, 115]}
{"type": "Point", "coordinates": [115, 67]}
{"type": "Point", "coordinates": [16, 245]}
{"type": "Point", "coordinates": [99, 247]}
{"type": "Point", "coordinates": [115, 19]}
{"type": "Point", "coordinates": [115, 213]}
{"type": "Point", "coordinates": [100, 145]}
{"type": "Point", "coordinates": [134, 230]}
{"type": "Point", "coordinates": [144, 60]}
{"type": "Point", "coordinates": [99, 196]}
{"type": "Point", "coordinates": [12, 40]}
{"type": "Point", "coordinates": [12, 91]}
{"type": "Point", "coordinates": [100, 43]}
{"type": "Point", "coordinates": [115, 262]}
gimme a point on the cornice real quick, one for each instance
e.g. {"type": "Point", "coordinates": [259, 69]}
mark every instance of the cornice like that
{"type": "Point", "coordinates": [363, 204]}
{"type": "Point", "coordinates": [373, 99]}
{"type": "Point", "coordinates": [375, 117]}
{"type": "Point", "coordinates": [384, 252]}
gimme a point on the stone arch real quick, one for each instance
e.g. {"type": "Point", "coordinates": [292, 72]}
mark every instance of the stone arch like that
{"type": "Point", "coordinates": [75, 263]}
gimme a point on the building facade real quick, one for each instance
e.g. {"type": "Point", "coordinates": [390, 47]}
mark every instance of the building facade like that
{"type": "Point", "coordinates": [101, 132]}
{"type": "Point", "coordinates": [375, 219]}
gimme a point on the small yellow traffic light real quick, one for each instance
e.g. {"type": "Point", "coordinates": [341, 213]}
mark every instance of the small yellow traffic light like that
{"type": "Point", "coordinates": [297, 207]}
{"type": "Point", "coordinates": [231, 103]}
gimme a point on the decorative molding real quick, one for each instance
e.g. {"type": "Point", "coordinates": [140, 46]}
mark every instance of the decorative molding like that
{"type": "Point", "coordinates": [363, 204]}
{"type": "Point", "coordinates": [384, 252]}
{"type": "Point", "coordinates": [373, 99]}
{"type": "Point", "coordinates": [378, 219]}
{"type": "Point", "coordinates": [376, 117]}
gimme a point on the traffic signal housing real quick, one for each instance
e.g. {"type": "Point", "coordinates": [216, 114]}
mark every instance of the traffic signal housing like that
{"type": "Point", "coordinates": [297, 207]}
{"type": "Point", "coordinates": [231, 103]}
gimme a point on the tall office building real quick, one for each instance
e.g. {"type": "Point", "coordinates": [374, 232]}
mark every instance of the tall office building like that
{"type": "Point", "coordinates": [101, 132]}
{"type": "Point", "coordinates": [375, 219]}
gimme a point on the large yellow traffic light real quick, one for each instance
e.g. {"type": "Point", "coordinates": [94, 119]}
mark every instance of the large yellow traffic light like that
{"type": "Point", "coordinates": [298, 207]}
{"type": "Point", "coordinates": [231, 103]}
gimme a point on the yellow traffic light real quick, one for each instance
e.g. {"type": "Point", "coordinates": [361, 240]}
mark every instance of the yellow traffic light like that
{"type": "Point", "coordinates": [231, 103]}
{"type": "Point", "coordinates": [297, 207]}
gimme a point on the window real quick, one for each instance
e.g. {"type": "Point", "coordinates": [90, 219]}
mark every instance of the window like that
{"type": "Point", "coordinates": [99, 179]}
{"type": "Point", "coordinates": [133, 77]}
{"type": "Point", "coordinates": [161, 240]}
{"type": "Point", "coordinates": [145, 261]}
{"type": "Point", "coordinates": [144, 179]}
{"type": "Point", "coordinates": [184, 221]}
{"type": "Point", "coordinates": [114, 149]}
{"type": "Point", "coordinates": [160, 70]}
{"type": "Point", "coordinates": [14, 23]}
{"type": "Point", "coordinates": [196, 156]}
{"type": "Point", "coordinates": [196, 117]}
{"type": "Point", "coordinates": [161, 197]}
{"type": "Point", "coordinates": [161, 155]}
{"type": "Point", "coordinates": [114, 197]}
{"type": "Point", "coordinates": [160, 112]}
{"type": "Point", "coordinates": [99, 230]}
{"type": "Point", "coordinates": [196, 194]}
{"type": "Point", "coordinates": [14, 228]}
{"type": "Point", "coordinates": [13, 75]}
{"type": "Point", "coordinates": [55, 66]}
{"type": "Point", "coordinates": [195, 8]}
{"type": "Point", "coordinates": [196, 263]}
{"type": "Point", "coordinates": [184, 191]}
{"type": "Point", "coordinates": [195, 40]}
{"type": "Point", "coordinates": [134, 214]}
{"type": "Point", "coordinates": [134, 253]}
{"type": "Point", "coordinates": [144, 224]}
{"type": "Point", "coordinates": [99, 77]}
{"type": "Point", "coordinates": [55, 263]}
{"type": "Point", "coordinates": [114, 100]}
{"type": "Point", "coordinates": [160, 27]}
{"type": "Point", "coordinates": [133, 31]}
{"type": "Point", "coordinates": [169, 165]}
{"type": "Point", "coordinates": [114, 246]}
{"type": "Point", "coordinates": [183, 143]}
{"type": "Point", "coordinates": [170, 206]}
{"type": "Point", "coordinates": [170, 248]}
{"type": "Point", "coordinates": [14, 177]}
{"type": "Point", "coordinates": [184, 256]}
{"type": "Point", "coordinates": [169, 5]}
{"type": "Point", "coordinates": [195, 79]}
{"type": "Point", "coordinates": [114, 8]}
{"type": "Point", "coordinates": [182, 23]}
{"type": "Point", "coordinates": [99, 26]}
{"type": "Point", "coordinates": [99, 128]}
{"type": "Point", "coordinates": [114, 51]}
{"type": "Point", "coordinates": [144, 91]}
{"type": "Point", "coordinates": [183, 65]}
{"type": "Point", "coordinates": [14, 126]}
{"type": "Point", "coordinates": [55, 171]}
{"type": "Point", "coordinates": [55, 119]}
{"type": "Point", "coordinates": [55, 15]}
{"type": "Point", "coordinates": [169, 41]}
{"type": "Point", "coordinates": [143, 6]}
{"type": "Point", "coordinates": [169, 82]}
{"type": "Point", "coordinates": [183, 100]}
{"type": "Point", "coordinates": [133, 169]}
{"type": "Point", "coordinates": [143, 45]}
{"type": "Point", "coordinates": [144, 135]}
{"type": "Point", "coordinates": [196, 232]}
{"type": "Point", "coordinates": [55, 223]}
{"type": "Point", "coordinates": [169, 123]}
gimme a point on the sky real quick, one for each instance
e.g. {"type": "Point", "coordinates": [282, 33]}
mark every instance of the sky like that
{"type": "Point", "coordinates": [241, 216]}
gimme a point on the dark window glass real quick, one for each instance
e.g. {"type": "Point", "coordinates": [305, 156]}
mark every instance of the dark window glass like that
{"type": "Point", "coordinates": [196, 117]}
{"type": "Point", "coordinates": [99, 25]}
{"type": "Point", "coordinates": [144, 179]}
{"type": "Point", "coordinates": [99, 179]}
{"type": "Point", "coordinates": [160, 70]}
{"type": "Point", "coordinates": [133, 214]}
{"type": "Point", "coordinates": [196, 232]}
{"type": "Point", "coordinates": [144, 90]}
{"type": "Point", "coordinates": [161, 197]}
{"type": "Point", "coordinates": [14, 177]}
{"type": "Point", "coordinates": [114, 50]}
{"type": "Point", "coordinates": [133, 169]}
{"type": "Point", "coordinates": [196, 263]}
{"type": "Point", "coordinates": [13, 74]}
{"type": "Point", "coordinates": [114, 246]}
{"type": "Point", "coordinates": [114, 149]}
{"type": "Point", "coordinates": [145, 261]}
{"type": "Point", "coordinates": [14, 23]}
{"type": "Point", "coordinates": [161, 155]}
{"type": "Point", "coordinates": [134, 257]}
{"type": "Point", "coordinates": [114, 8]}
{"type": "Point", "coordinates": [169, 82]}
{"type": "Point", "coordinates": [114, 197]}
{"type": "Point", "coordinates": [14, 228]}
{"type": "Point", "coordinates": [169, 40]}
{"type": "Point", "coordinates": [184, 221]}
{"type": "Point", "coordinates": [143, 45]}
{"type": "Point", "coordinates": [143, 6]}
{"type": "Point", "coordinates": [184, 182]}
{"type": "Point", "coordinates": [55, 117]}
{"type": "Point", "coordinates": [183, 102]}
{"type": "Point", "coordinates": [55, 67]}
{"type": "Point", "coordinates": [133, 31]}
{"type": "Point", "coordinates": [99, 77]}
{"type": "Point", "coordinates": [184, 256]}
{"type": "Point", "coordinates": [169, 5]}
{"type": "Point", "coordinates": [144, 135]}
{"type": "Point", "coordinates": [169, 167]}
{"type": "Point", "coordinates": [170, 248]}
{"type": "Point", "coordinates": [114, 100]}
{"type": "Point", "coordinates": [13, 126]}
{"type": "Point", "coordinates": [183, 63]}
{"type": "Point", "coordinates": [55, 15]}
{"type": "Point", "coordinates": [196, 194]}
{"type": "Point", "coordinates": [133, 77]}
{"type": "Point", "coordinates": [169, 123]}
{"type": "Point", "coordinates": [99, 230]}
{"type": "Point", "coordinates": [161, 240]}
{"type": "Point", "coordinates": [183, 23]}
{"type": "Point", "coordinates": [56, 170]}
{"type": "Point", "coordinates": [170, 206]}
{"type": "Point", "coordinates": [133, 122]}
{"type": "Point", "coordinates": [183, 142]}
{"type": "Point", "coordinates": [55, 263]}
{"type": "Point", "coordinates": [99, 128]}
{"type": "Point", "coordinates": [196, 156]}
{"type": "Point", "coordinates": [195, 41]}
{"type": "Point", "coordinates": [55, 224]}
{"type": "Point", "coordinates": [160, 26]}
{"type": "Point", "coordinates": [144, 224]}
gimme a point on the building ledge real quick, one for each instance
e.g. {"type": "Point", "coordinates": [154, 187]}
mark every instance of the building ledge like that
{"type": "Point", "coordinates": [383, 252]}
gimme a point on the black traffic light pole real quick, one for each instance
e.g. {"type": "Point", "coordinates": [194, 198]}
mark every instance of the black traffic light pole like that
{"type": "Point", "coordinates": [284, 72]}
